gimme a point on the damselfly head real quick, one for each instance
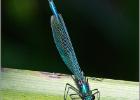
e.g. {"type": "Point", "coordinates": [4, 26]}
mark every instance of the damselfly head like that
{"type": "Point", "coordinates": [89, 97]}
{"type": "Point", "coordinates": [86, 92]}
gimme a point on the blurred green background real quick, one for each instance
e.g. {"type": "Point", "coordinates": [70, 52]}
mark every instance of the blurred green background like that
{"type": "Point", "coordinates": [104, 34]}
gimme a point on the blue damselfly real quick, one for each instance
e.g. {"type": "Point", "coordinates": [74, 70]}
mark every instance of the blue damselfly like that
{"type": "Point", "coordinates": [66, 51]}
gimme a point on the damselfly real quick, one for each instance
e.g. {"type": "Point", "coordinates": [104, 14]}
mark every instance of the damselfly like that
{"type": "Point", "coordinates": [66, 51]}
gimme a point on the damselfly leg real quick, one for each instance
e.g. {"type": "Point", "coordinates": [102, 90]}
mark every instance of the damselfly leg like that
{"type": "Point", "coordinates": [74, 97]}
{"type": "Point", "coordinates": [78, 95]}
{"type": "Point", "coordinates": [67, 89]}
{"type": "Point", "coordinates": [96, 91]}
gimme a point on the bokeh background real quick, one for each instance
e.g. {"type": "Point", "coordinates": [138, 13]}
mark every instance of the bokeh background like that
{"type": "Point", "coordinates": [104, 34]}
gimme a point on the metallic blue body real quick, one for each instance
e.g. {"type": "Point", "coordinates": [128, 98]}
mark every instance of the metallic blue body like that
{"type": "Point", "coordinates": [66, 51]}
{"type": "Point", "coordinates": [54, 10]}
